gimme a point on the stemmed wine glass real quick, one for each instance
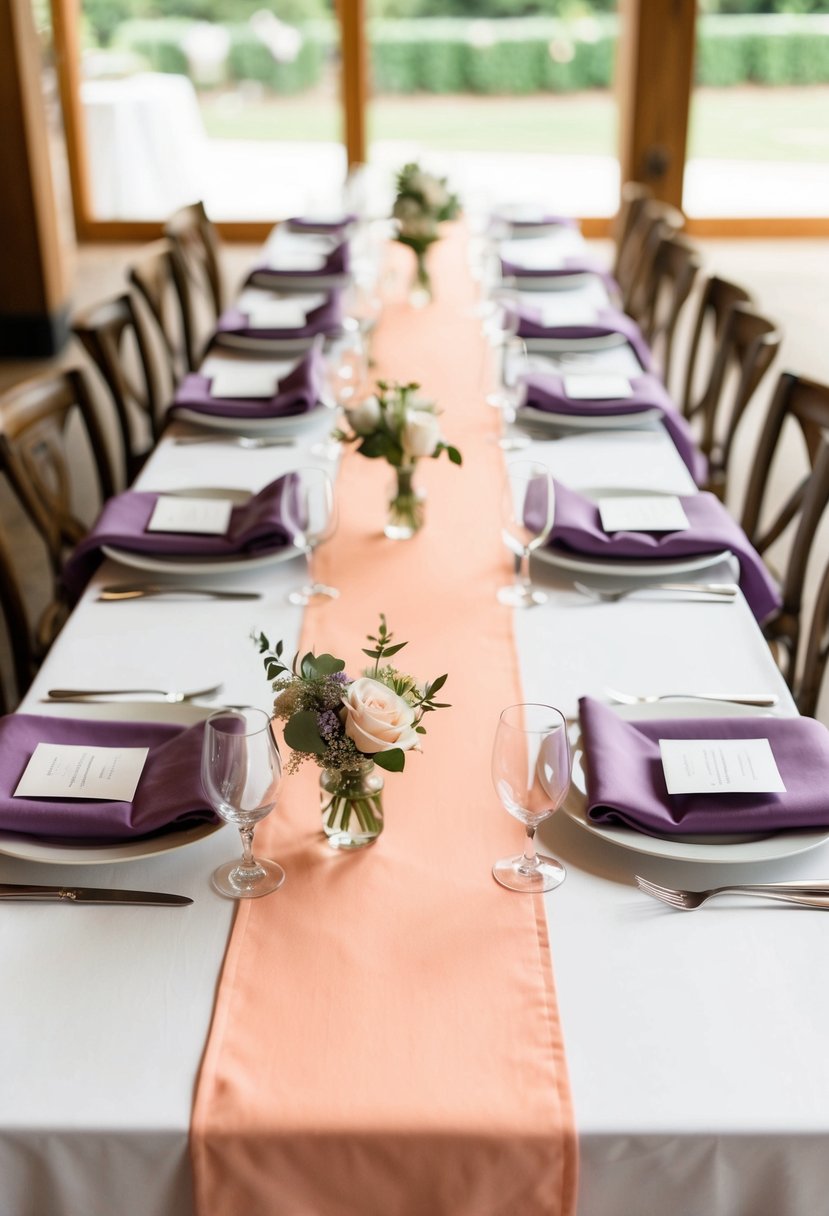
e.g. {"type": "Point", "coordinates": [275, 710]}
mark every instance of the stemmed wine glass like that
{"type": "Point", "coordinates": [313, 519]}
{"type": "Point", "coordinates": [527, 514]}
{"type": "Point", "coordinates": [240, 772]}
{"type": "Point", "coordinates": [531, 774]}
{"type": "Point", "coordinates": [346, 372]}
{"type": "Point", "coordinates": [511, 359]}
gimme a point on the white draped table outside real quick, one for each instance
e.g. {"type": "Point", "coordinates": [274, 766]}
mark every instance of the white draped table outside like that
{"type": "Point", "coordinates": [695, 1043]}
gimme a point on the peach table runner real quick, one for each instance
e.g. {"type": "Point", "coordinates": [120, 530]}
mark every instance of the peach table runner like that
{"type": "Point", "coordinates": [386, 1039]}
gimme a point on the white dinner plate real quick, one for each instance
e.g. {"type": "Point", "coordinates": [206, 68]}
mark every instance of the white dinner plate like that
{"type": "Point", "coordinates": [623, 569]}
{"type": "Point", "coordinates": [197, 565]}
{"type": "Point", "coordinates": [290, 424]}
{"type": "Point", "coordinates": [706, 849]}
{"type": "Point", "coordinates": [641, 420]}
{"type": "Point", "coordinates": [55, 852]}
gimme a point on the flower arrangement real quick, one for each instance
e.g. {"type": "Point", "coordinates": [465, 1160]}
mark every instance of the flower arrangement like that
{"type": "Point", "coordinates": [347, 725]}
{"type": "Point", "coordinates": [399, 427]}
{"type": "Point", "coordinates": [422, 202]}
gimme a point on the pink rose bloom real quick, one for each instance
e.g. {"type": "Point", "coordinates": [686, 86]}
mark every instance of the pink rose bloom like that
{"type": "Point", "coordinates": [377, 719]}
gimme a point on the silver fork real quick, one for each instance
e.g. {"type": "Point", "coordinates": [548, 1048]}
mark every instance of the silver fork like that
{"type": "Point", "coordinates": [807, 894]}
{"type": "Point", "coordinates": [171, 695]}
{"type": "Point", "coordinates": [764, 700]}
{"type": "Point", "coordinates": [724, 592]}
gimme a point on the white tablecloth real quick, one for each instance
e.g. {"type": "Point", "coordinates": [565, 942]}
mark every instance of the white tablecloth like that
{"type": "Point", "coordinates": [696, 1043]}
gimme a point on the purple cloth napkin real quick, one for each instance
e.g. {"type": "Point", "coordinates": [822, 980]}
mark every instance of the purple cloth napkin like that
{"type": "Point", "coordinates": [545, 391]}
{"type": "Point", "coordinates": [626, 784]}
{"type": "Point", "coordinates": [573, 264]}
{"type": "Point", "coordinates": [608, 321]}
{"type": "Point", "coordinates": [298, 393]}
{"type": "Point", "coordinates": [264, 524]}
{"type": "Point", "coordinates": [302, 223]}
{"type": "Point", "coordinates": [338, 261]}
{"type": "Point", "coordinates": [577, 529]}
{"type": "Point", "coordinates": [327, 319]}
{"type": "Point", "coordinates": [169, 795]}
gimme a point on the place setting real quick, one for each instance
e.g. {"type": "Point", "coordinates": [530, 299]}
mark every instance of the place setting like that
{"type": "Point", "coordinates": [262, 319]}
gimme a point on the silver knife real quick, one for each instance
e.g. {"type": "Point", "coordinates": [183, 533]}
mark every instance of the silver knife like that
{"type": "Point", "coordinates": [88, 895]}
{"type": "Point", "coordinates": [135, 591]}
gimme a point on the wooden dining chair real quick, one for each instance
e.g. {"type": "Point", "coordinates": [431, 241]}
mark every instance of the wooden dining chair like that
{"type": "Point", "coordinates": [804, 404]}
{"type": "Point", "coordinates": [51, 440]}
{"type": "Point", "coordinates": [19, 643]}
{"type": "Point", "coordinates": [716, 300]}
{"type": "Point", "coordinates": [655, 221]}
{"type": "Point", "coordinates": [136, 366]}
{"type": "Point", "coordinates": [810, 683]}
{"type": "Point", "coordinates": [196, 252]}
{"type": "Point", "coordinates": [632, 200]}
{"type": "Point", "coordinates": [675, 266]}
{"type": "Point", "coordinates": [159, 278]}
{"type": "Point", "coordinates": [744, 350]}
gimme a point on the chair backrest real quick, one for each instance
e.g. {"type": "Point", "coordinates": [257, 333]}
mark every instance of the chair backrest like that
{"type": "Point", "coordinates": [160, 280]}
{"type": "Point", "coordinates": [807, 404]}
{"type": "Point", "coordinates": [817, 652]}
{"type": "Point", "coordinates": [196, 242]}
{"type": "Point", "coordinates": [40, 462]}
{"type": "Point", "coordinates": [716, 300]}
{"type": "Point", "coordinates": [744, 351]}
{"type": "Point", "coordinates": [632, 199]}
{"type": "Point", "coordinates": [18, 675]}
{"type": "Point", "coordinates": [675, 266]}
{"type": "Point", "coordinates": [115, 336]}
{"type": "Point", "coordinates": [656, 220]}
{"type": "Point", "coordinates": [196, 251]}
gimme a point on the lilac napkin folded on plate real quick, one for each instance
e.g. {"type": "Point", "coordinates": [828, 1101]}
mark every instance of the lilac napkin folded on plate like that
{"type": "Point", "coordinates": [266, 523]}
{"type": "Point", "coordinates": [545, 391]}
{"type": "Point", "coordinates": [327, 319]}
{"type": "Point", "coordinates": [338, 261]}
{"type": "Point", "coordinates": [298, 393]}
{"type": "Point", "coordinates": [571, 264]}
{"type": "Point", "coordinates": [626, 784]}
{"type": "Point", "coordinates": [169, 795]}
{"type": "Point", "coordinates": [608, 321]}
{"type": "Point", "coordinates": [307, 223]}
{"type": "Point", "coordinates": [577, 529]}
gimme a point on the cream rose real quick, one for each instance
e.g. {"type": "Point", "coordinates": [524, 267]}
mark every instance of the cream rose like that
{"type": "Point", "coordinates": [421, 433]}
{"type": "Point", "coordinates": [365, 416]}
{"type": "Point", "coordinates": [377, 719]}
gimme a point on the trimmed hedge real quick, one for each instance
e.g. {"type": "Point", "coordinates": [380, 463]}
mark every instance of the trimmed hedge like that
{"type": "Point", "coordinates": [530, 55]}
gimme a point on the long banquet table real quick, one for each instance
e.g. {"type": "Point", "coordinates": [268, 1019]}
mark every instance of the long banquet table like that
{"type": "Point", "coordinates": [695, 1043]}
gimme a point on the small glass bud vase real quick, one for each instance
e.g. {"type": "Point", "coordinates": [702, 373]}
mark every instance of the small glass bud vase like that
{"type": "Point", "coordinates": [420, 293]}
{"type": "Point", "coordinates": [407, 506]}
{"type": "Point", "coordinates": [352, 806]}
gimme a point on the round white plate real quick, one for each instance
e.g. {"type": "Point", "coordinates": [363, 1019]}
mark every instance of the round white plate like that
{"type": "Point", "coordinates": [622, 569]}
{"type": "Point", "coordinates": [639, 421]}
{"type": "Point", "coordinates": [55, 853]}
{"type": "Point", "coordinates": [291, 424]}
{"type": "Point", "coordinates": [197, 565]}
{"type": "Point", "coordinates": [706, 849]}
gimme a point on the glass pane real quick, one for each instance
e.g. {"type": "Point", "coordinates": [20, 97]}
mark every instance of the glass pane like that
{"type": "Point", "coordinates": [507, 105]}
{"type": "Point", "coordinates": [236, 102]}
{"type": "Point", "coordinates": [759, 138]}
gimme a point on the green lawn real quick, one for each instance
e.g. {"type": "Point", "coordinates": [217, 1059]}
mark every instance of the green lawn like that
{"type": "Point", "coordinates": [740, 123]}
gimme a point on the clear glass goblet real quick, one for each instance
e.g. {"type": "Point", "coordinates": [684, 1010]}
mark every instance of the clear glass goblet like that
{"type": "Point", "coordinates": [511, 358]}
{"type": "Point", "coordinates": [531, 775]}
{"type": "Point", "coordinates": [527, 514]}
{"type": "Point", "coordinates": [241, 770]}
{"type": "Point", "coordinates": [312, 519]}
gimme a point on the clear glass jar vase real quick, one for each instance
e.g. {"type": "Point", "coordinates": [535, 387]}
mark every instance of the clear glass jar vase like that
{"type": "Point", "coordinates": [407, 506]}
{"type": "Point", "coordinates": [351, 801]}
{"type": "Point", "coordinates": [420, 292]}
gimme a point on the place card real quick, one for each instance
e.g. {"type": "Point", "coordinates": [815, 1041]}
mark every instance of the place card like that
{"type": "Point", "coordinates": [287, 260]}
{"type": "Point", "coordinates": [277, 314]}
{"type": "Point", "coordinates": [591, 387]}
{"type": "Point", "coordinates": [643, 513]}
{"type": "Point", "coordinates": [566, 312]}
{"type": "Point", "coordinates": [69, 770]}
{"type": "Point", "coordinates": [720, 766]}
{"type": "Point", "coordinates": [244, 380]}
{"type": "Point", "coordinates": [537, 254]}
{"type": "Point", "coordinates": [203, 516]}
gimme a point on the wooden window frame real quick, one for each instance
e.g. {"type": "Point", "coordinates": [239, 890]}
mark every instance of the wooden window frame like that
{"type": "Point", "coordinates": [653, 109]}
